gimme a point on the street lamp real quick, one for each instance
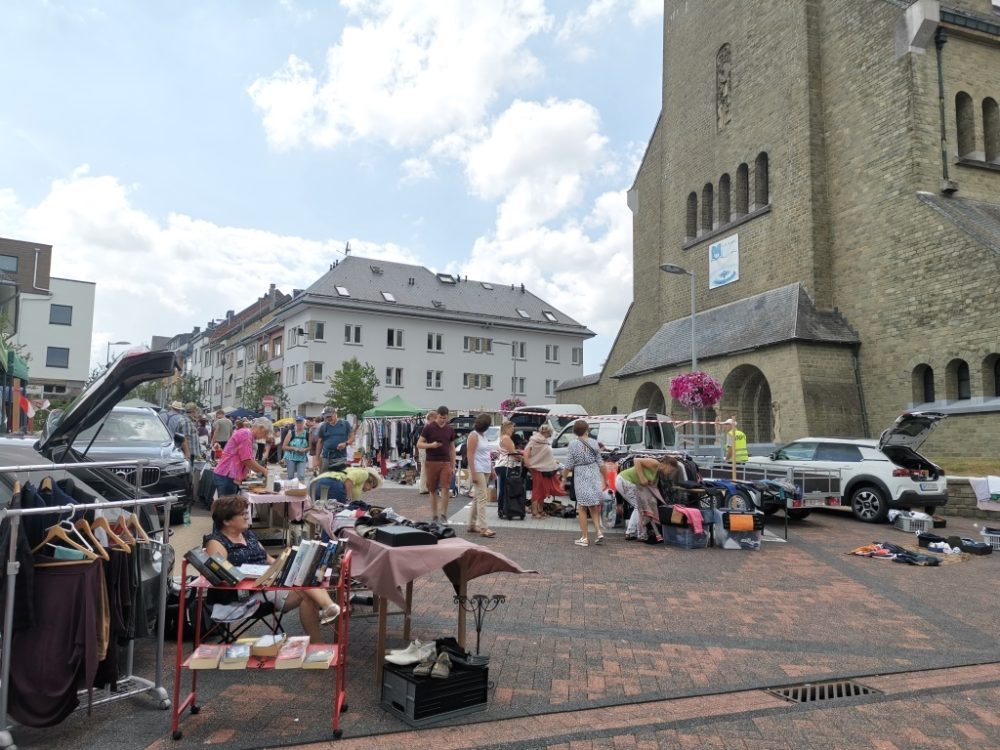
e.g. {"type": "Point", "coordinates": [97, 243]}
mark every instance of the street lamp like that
{"type": "Point", "coordinates": [677, 270]}
{"type": "Point", "coordinates": [513, 383]}
{"type": "Point", "coordinates": [115, 343]}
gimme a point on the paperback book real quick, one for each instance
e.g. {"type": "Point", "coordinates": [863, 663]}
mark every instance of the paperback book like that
{"type": "Point", "coordinates": [319, 656]}
{"type": "Point", "coordinates": [235, 656]}
{"type": "Point", "coordinates": [293, 653]}
{"type": "Point", "coordinates": [206, 656]}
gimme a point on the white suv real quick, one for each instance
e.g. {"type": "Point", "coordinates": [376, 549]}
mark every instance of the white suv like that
{"type": "Point", "coordinates": [875, 475]}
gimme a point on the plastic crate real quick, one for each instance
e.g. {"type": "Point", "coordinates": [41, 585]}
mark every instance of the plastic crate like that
{"type": "Point", "coordinates": [903, 523]}
{"type": "Point", "coordinates": [992, 539]}
{"type": "Point", "coordinates": [684, 537]}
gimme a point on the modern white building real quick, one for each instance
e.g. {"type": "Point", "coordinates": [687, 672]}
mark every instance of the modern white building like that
{"type": "Point", "coordinates": [432, 338]}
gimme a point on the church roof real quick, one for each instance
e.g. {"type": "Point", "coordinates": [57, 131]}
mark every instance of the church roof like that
{"type": "Point", "coordinates": [981, 221]}
{"type": "Point", "coordinates": [778, 316]}
{"type": "Point", "coordinates": [593, 379]}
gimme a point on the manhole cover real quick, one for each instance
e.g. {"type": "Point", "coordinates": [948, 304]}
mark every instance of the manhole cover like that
{"type": "Point", "coordinates": [811, 692]}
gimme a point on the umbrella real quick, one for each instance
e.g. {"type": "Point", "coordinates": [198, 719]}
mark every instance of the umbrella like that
{"type": "Point", "coordinates": [284, 422]}
{"type": "Point", "coordinates": [241, 412]}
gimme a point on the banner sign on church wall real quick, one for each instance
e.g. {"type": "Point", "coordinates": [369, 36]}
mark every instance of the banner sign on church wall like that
{"type": "Point", "coordinates": [724, 261]}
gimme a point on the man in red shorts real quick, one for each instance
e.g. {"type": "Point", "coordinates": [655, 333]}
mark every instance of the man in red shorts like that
{"type": "Point", "coordinates": [438, 439]}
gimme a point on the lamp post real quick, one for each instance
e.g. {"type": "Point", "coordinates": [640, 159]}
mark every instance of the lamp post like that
{"type": "Point", "coordinates": [114, 343]}
{"type": "Point", "coordinates": [513, 383]}
{"type": "Point", "coordinates": [677, 270]}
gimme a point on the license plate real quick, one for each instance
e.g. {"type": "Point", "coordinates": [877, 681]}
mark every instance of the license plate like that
{"type": "Point", "coordinates": [928, 486]}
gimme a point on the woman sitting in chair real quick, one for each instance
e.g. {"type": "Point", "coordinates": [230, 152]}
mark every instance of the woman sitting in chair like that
{"type": "Point", "coordinates": [639, 486]}
{"type": "Point", "coordinates": [232, 539]}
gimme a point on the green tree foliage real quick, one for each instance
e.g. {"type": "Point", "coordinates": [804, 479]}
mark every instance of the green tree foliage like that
{"type": "Point", "coordinates": [188, 389]}
{"type": "Point", "coordinates": [263, 382]}
{"type": "Point", "coordinates": [353, 388]}
{"type": "Point", "coordinates": [147, 391]}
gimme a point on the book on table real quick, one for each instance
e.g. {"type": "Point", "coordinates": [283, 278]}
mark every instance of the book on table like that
{"type": "Point", "coordinates": [216, 570]}
{"type": "Point", "coordinates": [235, 656]}
{"type": "Point", "coordinates": [319, 656]}
{"type": "Point", "coordinates": [293, 653]}
{"type": "Point", "coordinates": [270, 575]}
{"type": "Point", "coordinates": [206, 656]}
{"type": "Point", "coordinates": [268, 645]}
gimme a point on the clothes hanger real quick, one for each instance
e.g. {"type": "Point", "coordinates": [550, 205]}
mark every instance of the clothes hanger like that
{"type": "Point", "coordinates": [84, 525]}
{"type": "Point", "coordinates": [58, 532]}
{"type": "Point", "coordinates": [73, 531]}
{"type": "Point", "coordinates": [46, 484]}
{"type": "Point", "coordinates": [102, 523]}
{"type": "Point", "coordinates": [133, 524]}
{"type": "Point", "coordinates": [17, 487]}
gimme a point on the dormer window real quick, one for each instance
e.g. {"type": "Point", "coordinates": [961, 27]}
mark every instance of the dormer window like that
{"type": "Point", "coordinates": [487, 286]}
{"type": "Point", "coordinates": [438, 304]}
{"type": "Point", "coordinates": [549, 316]}
{"type": "Point", "coordinates": [387, 296]}
{"type": "Point", "coordinates": [446, 278]}
{"type": "Point", "coordinates": [522, 313]}
{"type": "Point", "coordinates": [377, 270]}
{"type": "Point", "coordinates": [342, 291]}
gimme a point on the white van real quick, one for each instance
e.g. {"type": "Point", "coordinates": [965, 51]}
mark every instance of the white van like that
{"type": "Point", "coordinates": [557, 415]}
{"type": "Point", "coordinates": [640, 430]}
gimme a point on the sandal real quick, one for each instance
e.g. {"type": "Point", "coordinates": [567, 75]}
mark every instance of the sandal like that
{"type": "Point", "coordinates": [472, 530]}
{"type": "Point", "coordinates": [582, 542]}
{"type": "Point", "coordinates": [488, 533]}
{"type": "Point", "coordinates": [599, 540]}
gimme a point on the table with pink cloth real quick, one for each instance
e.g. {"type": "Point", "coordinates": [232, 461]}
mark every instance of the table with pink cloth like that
{"type": "Point", "coordinates": [390, 572]}
{"type": "Point", "coordinates": [293, 506]}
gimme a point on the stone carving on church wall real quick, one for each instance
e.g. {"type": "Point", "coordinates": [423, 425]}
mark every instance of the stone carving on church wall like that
{"type": "Point", "coordinates": [723, 87]}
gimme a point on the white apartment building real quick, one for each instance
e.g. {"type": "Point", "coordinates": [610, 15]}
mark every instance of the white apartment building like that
{"type": "Point", "coordinates": [432, 338]}
{"type": "Point", "coordinates": [56, 328]}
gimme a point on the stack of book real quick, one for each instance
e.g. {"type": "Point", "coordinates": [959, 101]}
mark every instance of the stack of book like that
{"type": "Point", "coordinates": [217, 571]}
{"type": "Point", "coordinates": [304, 565]}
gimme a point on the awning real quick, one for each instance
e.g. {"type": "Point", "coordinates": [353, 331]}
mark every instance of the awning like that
{"type": "Point", "coordinates": [17, 367]}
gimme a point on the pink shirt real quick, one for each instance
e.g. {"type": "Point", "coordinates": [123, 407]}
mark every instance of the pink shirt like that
{"type": "Point", "coordinates": [239, 448]}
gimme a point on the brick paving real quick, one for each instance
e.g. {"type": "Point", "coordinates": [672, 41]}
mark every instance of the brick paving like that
{"type": "Point", "coordinates": [632, 646]}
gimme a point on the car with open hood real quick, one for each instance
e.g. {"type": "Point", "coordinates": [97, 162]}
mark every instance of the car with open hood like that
{"type": "Point", "coordinates": [875, 475]}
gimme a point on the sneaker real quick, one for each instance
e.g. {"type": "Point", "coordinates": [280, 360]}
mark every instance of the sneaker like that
{"type": "Point", "coordinates": [329, 614]}
{"type": "Point", "coordinates": [425, 652]}
{"type": "Point", "coordinates": [442, 667]}
{"type": "Point", "coordinates": [582, 542]}
{"type": "Point", "coordinates": [599, 540]}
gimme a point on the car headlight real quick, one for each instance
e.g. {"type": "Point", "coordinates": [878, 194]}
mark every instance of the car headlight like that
{"type": "Point", "coordinates": [175, 469]}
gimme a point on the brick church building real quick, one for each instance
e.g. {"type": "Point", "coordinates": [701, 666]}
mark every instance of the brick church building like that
{"type": "Point", "coordinates": [829, 172]}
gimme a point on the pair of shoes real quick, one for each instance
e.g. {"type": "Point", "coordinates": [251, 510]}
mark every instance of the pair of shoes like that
{"type": "Point", "coordinates": [582, 542]}
{"type": "Point", "coordinates": [423, 652]}
{"type": "Point", "coordinates": [329, 614]}
{"type": "Point", "coordinates": [488, 533]}
{"type": "Point", "coordinates": [472, 530]}
{"type": "Point", "coordinates": [424, 668]}
{"type": "Point", "coordinates": [442, 666]}
{"type": "Point", "coordinates": [600, 539]}
{"type": "Point", "coordinates": [414, 646]}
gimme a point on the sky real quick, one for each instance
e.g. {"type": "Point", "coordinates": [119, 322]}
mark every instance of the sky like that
{"type": "Point", "coordinates": [185, 155]}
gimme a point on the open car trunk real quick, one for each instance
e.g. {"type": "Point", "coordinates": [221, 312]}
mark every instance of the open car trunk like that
{"type": "Point", "coordinates": [917, 465]}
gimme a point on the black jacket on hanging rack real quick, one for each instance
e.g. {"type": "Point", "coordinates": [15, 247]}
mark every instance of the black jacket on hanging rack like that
{"type": "Point", "coordinates": [24, 601]}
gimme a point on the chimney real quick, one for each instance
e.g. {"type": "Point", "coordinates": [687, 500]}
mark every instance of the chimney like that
{"type": "Point", "coordinates": [522, 288]}
{"type": "Point", "coordinates": [229, 314]}
{"type": "Point", "coordinates": [197, 330]}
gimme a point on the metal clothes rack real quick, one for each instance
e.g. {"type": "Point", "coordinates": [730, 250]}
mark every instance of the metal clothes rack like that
{"type": "Point", "coordinates": [135, 685]}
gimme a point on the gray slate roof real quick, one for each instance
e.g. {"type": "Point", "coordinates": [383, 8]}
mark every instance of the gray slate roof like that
{"type": "Point", "coordinates": [593, 379]}
{"type": "Point", "coordinates": [465, 298]}
{"type": "Point", "coordinates": [780, 315]}
{"type": "Point", "coordinates": [980, 221]}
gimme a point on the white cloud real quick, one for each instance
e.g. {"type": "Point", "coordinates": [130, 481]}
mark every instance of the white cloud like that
{"type": "Point", "coordinates": [593, 21]}
{"type": "Point", "coordinates": [406, 72]}
{"type": "Point", "coordinates": [416, 170]}
{"type": "Point", "coordinates": [163, 277]}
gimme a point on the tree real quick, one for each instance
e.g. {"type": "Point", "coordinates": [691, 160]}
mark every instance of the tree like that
{"type": "Point", "coordinates": [147, 392]}
{"type": "Point", "coordinates": [263, 382]}
{"type": "Point", "coordinates": [353, 388]}
{"type": "Point", "coordinates": [188, 389]}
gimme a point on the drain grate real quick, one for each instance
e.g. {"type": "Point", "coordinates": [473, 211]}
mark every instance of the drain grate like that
{"type": "Point", "coordinates": [811, 692]}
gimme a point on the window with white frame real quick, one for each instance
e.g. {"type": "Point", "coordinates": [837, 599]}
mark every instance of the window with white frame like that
{"type": "Point", "coordinates": [394, 338]}
{"type": "Point", "coordinates": [239, 391]}
{"type": "Point", "coordinates": [240, 355]}
{"type": "Point", "coordinates": [551, 352]}
{"type": "Point", "coordinates": [549, 316]}
{"type": "Point", "coordinates": [478, 345]}
{"type": "Point", "coordinates": [313, 372]}
{"type": "Point", "coordinates": [394, 377]}
{"type": "Point", "coordinates": [519, 349]}
{"type": "Point", "coordinates": [517, 386]}
{"type": "Point", "coordinates": [262, 351]}
{"type": "Point", "coordinates": [435, 342]}
{"type": "Point", "coordinates": [550, 387]}
{"type": "Point", "coordinates": [477, 380]}
{"type": "Point", "coordinates": [577, 355]}
{"type": "Point", "coordinates": [352, 334]}
{"type": "Point", "coordinates": [251, 354]}
{"type": "Point", "coordinates": [218, 386]}
{"type": "Point", "coordinates": [434, 379]}
{"type": "Point", "coordinates": [291, 375]}
{"type": "Point", "coordinates": [276, 347]}
{"type": "Point", "coordinates": [292, 336]}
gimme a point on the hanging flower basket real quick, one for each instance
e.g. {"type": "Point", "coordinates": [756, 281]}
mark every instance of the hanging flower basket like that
{"type": "Point", "coordinates": [508, 405]}
{"type": "Point", "coordinates": [696, 390]}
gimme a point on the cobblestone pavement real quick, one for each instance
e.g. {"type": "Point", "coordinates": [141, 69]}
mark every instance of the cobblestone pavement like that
{"type": "Point", "coordinates": [633, 646]}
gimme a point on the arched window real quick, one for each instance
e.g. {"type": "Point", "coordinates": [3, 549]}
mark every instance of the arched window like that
{"type": "Point", "coordinates": [964, 381]}
{"type": "Point", "coordinates": [692, 216]}
{"type": "Point", "coordinates": [923, 384]}
{"type": "Point", "coordinates": [724, 213]}
{"type": "Point", "coordinates": [761, 188]}
{"type": "Point", "coordinates": [991, 130]}
{"type": "Point", "coordinates": [965, 120]}
{"type": "Point", "coordinates": [957, 383]}
{"type": "Point", "coordinates": [991, 376]}
{"type": "Point", "coordinates": [742, 190]}
{"type": "Point", "coordinates": [707, 207]}
{"type": "Point", "coordinates": [996, 377]}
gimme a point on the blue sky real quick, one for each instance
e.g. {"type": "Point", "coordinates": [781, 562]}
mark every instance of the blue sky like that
{"type": "Point", "coordinates": [185, 155]}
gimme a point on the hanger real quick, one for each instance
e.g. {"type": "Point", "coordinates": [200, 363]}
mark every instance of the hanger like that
{"type": "Point", "coordinates": [74, 531]}
{"type": "Point", "coordinates": [132, 523]}
{"type": "Point", "coordinates": [58, 532]}
{"type": "Point", "coordinates": [46, 484]}
{"type": "Point", "coordinates": [17, 487]}
{"type": "Point", "coordinates": [102, 523]}
{"type": "Point", "coordinates": [84, 526]}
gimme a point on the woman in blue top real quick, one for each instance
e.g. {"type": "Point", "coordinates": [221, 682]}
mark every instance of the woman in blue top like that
{"type": "Point", "coordinates": [296, 447]}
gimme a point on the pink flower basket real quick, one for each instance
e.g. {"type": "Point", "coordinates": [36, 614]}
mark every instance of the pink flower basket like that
{"type": "Point", "coordinates": [696, 390]}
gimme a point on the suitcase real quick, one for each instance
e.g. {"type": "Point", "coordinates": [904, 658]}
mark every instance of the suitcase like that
{"type": "Point", "coordinates": [515, 498]}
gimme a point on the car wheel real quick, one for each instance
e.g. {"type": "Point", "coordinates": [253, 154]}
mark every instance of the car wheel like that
{"type": "Point", "coordinates": [868, 504]}
{"type": "Point", "coordinates": [798, 514]}
{"type": "Point", "coordinates": [740, 500]}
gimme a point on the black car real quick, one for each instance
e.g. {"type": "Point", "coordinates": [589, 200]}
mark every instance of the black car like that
{"type": "Point", "coordinates": [130, 432]}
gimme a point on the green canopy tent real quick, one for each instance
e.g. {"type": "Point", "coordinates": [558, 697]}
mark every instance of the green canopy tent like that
{"type": "Point", "coordinates": [397, 406]}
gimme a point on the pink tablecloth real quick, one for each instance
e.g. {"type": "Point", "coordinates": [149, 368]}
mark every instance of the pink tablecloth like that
{"type": "Point", "coordinates": [385, 570]}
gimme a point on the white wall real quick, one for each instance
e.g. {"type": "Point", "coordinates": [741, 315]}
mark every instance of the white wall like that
{"type": "Point", "coordinates": [36, 333]}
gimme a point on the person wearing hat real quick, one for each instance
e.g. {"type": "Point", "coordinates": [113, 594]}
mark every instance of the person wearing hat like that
{"type": "Point", "coordinates": [734, 442]}
{"type": "Point", "coordinates": [333, 438]}
{"type": "Point", "coordinates": [296, 446]}
{"type": "Point", "coordinates": [357, 480]}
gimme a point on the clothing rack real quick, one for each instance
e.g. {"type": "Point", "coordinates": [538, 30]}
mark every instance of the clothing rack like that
{"type": "Point", "coordinates": [136, 684]}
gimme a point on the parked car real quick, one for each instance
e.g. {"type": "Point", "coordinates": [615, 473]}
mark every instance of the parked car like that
{"type": "Point", "coordinates": [137, 432]}
{"type": "Point", "coordinates": [876, 475]}
{"type": "Point", "coordinates": [557, 415]}
{"type": "Point", "coordinates": [638, 431]}
{"type": "Point", "coordinates": [58, 445]}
